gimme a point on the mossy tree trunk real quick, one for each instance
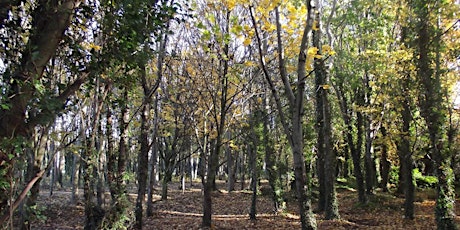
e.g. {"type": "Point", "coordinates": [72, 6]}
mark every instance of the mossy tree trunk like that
{"type": "Point", "coordinates": [433, 109]}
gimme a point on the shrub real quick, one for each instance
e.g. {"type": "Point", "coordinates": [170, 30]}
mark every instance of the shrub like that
{"type": "Point", "coordinates": [424, 181]}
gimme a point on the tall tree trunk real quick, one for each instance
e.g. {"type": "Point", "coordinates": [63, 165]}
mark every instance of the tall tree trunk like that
{"type": "Point", "coordinates": [93, 213]}
{"type": "Point", "coordinates": [230, 171]}
{"type": "Point", "coordinates": [253, 159]}
{"type": "Point", "coordinates": [359, 146]}
{"type": "Point", "coordinates": [368, 159]}
{"type": "Point", "coordinates": [326, 155]}
{"type": "Point", "coordinates": [143, 156]}
{"type": "Point", "coordinates": [223, 106]}
{"type": "Point", "coordinates": [355, 150]}
{"type": "Point", "coordinates": [404, 149]}
{"type": "Point", "coordinates": [153, 159]}
{"type": "Point", "coordinates": [384, 162]}
{"type": "Point", "coordinates": [369, 163]}
{"type": "Point", "coordinates": [75, 177]}
{"type": "Point", "coordinates": [433, 111]}
{"type": "Point", "coordinates": [120, 202]}
{"type": "Point", "coordinates": [270, 161]}
{"type": "Point", "coordinates": [320, 145]}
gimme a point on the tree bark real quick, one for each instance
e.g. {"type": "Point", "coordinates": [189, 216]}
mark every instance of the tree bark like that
{"type": "Point", "coordinates": [270, 161]}
{"type": "Point", "coordinates": [153, 159]}
{"type": "Point", "coordinates": [404, 149]}
{"type": "Point", "coordinates": [253, 159]}
{"type": "Point", "coordinates": [384, 162]}
{"type": "Point", "coordinates": [433, 111]}
{"type": "Point", "coordinates": [143, 156]}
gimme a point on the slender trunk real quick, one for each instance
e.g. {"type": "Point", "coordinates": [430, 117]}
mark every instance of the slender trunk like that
{"type": "Point", "coordinates": [152, 179]}
{"type": "Point", "coordinates": [253, 160]}
{"type": "Point", "coordinates": [242, 171]}
{"type": "Point", "coordinates": [164, 184]}
{"type": "Point", "coordinates": [120, 203]}
{"type": "Point", "coordinates": [143, 156]}
{"type": "Point", "coordinates": [358, 151]}
{"type": "Point", "coordinates": [74, 177]}
{"type": "Point", "coordinates": [153, 159]}
{"type": "Point", "coordinates": [355, 150]}
{"type": "Point", "coordinates": [110, 154]}
{"type": "Point", "coordinates": [369, 164]}
{"type": "Point", "coordinates": [99, 172]}
{"type": "Point", "coordinates": [53, 167]}
{"type": "Point", "coordinates": [384, 162]}
{"type": "Point", "coordinates": [405, 154]}
{"type": "Point", "coordinates": [230, 171]}
{"type": "Point", "coordinates": [270, 161]}
{"type": "Point", "coordinates": [331, 205]}
{"type": "Point", "coordinates": [32, 170]}
{"type": "Point", "coordinates": [320, 145]}
{"type": "Point", "coordinates": [213, 161]}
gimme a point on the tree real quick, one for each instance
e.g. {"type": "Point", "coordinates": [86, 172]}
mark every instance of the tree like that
{"type": "Point", "coordinates": [326, 156]}
{"type": "Point", "coordinates": [292, 123]}
{"type": "Point", "coordinates": [20, 112]}
{"type": "Point", "coordinates": [432, 106]}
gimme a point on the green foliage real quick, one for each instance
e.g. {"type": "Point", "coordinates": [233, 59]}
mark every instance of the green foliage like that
{"type": "Point", "coordinates": [346, 183]}
{"type": "Point", "coordinates": [394, 175]}
{"type": "Point", "coordinates": [39, 212]}
{"type": "Point", "coordinates": [424, 181]}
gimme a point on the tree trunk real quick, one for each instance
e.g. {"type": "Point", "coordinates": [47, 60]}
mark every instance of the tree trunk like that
{"type": "Point", "coordinates": [33, 169]}
{"type": "Point", "coordinates": [432, 110]}
{"type": "Point", "coordinates": [404, 149]}
{"type": "Point", "coordinates": [75, 177]}
{"type": "Point", "coordinates": [270, 161]}
{"type": "Point", "coordinates": [164, 183]}
{"type": "Point", "coordinates": [357, 153]}
{"type": "Point", "coordinates": [152, 179]}
{"type": "Point", "coordinates": [143, 159]}
{"type": "Point", "coordinates": [326, 157]}
{"type": "Point", "coordinates": [93, 213]}
{"type": "Point", "coordinates": [153, 159]}
{"type": "Point", "coordinates": [369, 164]}
{"type": "Point", "coordinates": [252, 147]}
{"type": "Point", "coordinates": [143, 156]}
{"type": "Point", "coordinates": [49, 22]}
{"type": "Point", "coordinates": [230, 166]}
{"type": "Point", "coordinates": [331, 205]}
{"type": "Point", "coordinates": [384, 162]}
{"type": "Point", "coordinates": [355, 150]}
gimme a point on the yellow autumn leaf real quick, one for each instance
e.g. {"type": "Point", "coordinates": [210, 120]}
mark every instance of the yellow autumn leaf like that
{"type": "Point", "coordinates": [326, 87]}
{"type": "Point", "coordinates": [247, 41]}
{"type": "Point", "coordinates": [95, 47]}
{"type": "Point", "coordinates": [251, 33]}
{"type": "Point", "coordinates": [230, 4]}
{"type": "Point", "coordinates": [312, 51]}
{"type": "Point", "coordinates": [315, 25]}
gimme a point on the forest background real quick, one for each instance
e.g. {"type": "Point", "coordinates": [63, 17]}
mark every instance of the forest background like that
{"type": "Point", "coordinates": [120, 96]}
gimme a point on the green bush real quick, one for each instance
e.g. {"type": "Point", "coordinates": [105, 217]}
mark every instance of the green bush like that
{"type": "Point", "coordinates": [422, 181]}
{"type": "Point", "coordinates": [394, 175]}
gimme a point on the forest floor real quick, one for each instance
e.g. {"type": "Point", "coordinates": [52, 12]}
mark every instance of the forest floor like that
{"type": "Point", "coordinates": [183, 210]}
